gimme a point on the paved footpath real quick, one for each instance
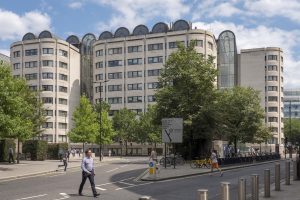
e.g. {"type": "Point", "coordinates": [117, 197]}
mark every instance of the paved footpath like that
{"type": "Point", "coordinates": [31, 168]}
{"type": "Point", "coordinates": [288, 192]}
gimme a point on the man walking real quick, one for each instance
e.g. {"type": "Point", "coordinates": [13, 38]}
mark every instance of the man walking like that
{"type": "Point", "coordinates": [214, 162]}
{"type": "Point", "coordinates": [87, 167]}
{"type": "Point", "coordinates": [11, 155]}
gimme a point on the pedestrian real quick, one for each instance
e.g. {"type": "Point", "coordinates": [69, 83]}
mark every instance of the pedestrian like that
{"type": "Point", "coordinates": [11, 155]}
{"type": "Point", "coordinates": [109, 153]}
{"type": "Point", "coordinates": [65, 161]}
{"type": "Point", "coordinates": [68, 156]}
{"type": "Point", "coordinates": [214, 162]}
{"type": "Point", "coordinates": [153, 155]}
{"type": "Point", "coordinates": [73, 152]}
{"type": "Point", "coordinates": [87, 167]}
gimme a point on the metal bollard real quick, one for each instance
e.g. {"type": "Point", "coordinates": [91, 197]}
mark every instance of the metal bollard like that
{"type": "Point", "coordinates": [295, 176]}
{"type": "Point", "coordinates": [242, 189]}
{"type": "Point", "coordinates": [267, 186]}
{"type": "Point", "coordinates": [255, 186]}
{"type": "Point", "coordinates": [287, 173]}
{"type": "Point", "coordinates": [202, 194]}
{"type": "Point", "coordinates": [145, 198]}
{"type": "Point", "coordinates": [225, 191]}
{"type": "Point", "coordinates": [277, 177]}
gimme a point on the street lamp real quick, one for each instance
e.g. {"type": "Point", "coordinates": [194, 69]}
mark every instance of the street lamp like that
{"type": "Point", "coordinates": [100, 127]}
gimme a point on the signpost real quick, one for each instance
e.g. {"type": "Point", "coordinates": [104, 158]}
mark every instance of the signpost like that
{"type": "Point", "coordinates": [172, 129]}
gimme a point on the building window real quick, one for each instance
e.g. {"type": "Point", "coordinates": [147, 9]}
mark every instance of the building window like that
{"type": "Point", "coordinates": [153, 85]}
{"type": "Point", "coordinates": [210, 45]}
{"type": "Point", "coordinates": [151, 98]}
{"type": "Point", "coordinates": [282, 69]}
{"type": "Point", "coordinates": [132, 49]}
{"type": "Point", "coordinates": [199, 43]}
{"type": "Point", "coordinates": [157, 59]}
{"type": "Point", "coordinates": [16, 76]}
{"type": "Point", "coordinates": [273, 119]}
{"type": "Point", "coordinates": [134, 99]}
{"type": "Point", "coordinates": [17, 66]}
{"type": "Point", "coordinates": [272, 78]}
{"type": "Point", "coordinates": [273, 98]}
{"type": "Point", "coordinates": [272, 67]}
{"type": "Point", "coordinates": [31, 64]}
{"type": "Point", "coordinates": [31, 76]}
{"type": "Point", "coordinates": [134, 74]}
{"type": "Point", "coordinates": [48, 112]}
{"type": "Point", "coordinates": [63, 53]}
{"type": "Point", "coordinates": [173, 45]}
{"type": "Point", "coordinates": [112, 112]}
{"type": "Point", "coordinates": [31, 52]}
{"type": "Point", "coordinates": [47, 87]}
{"type": "Point", "coordinates": [135, 61]}
{"type": "Point", "coordinates": [274, 129]}
{"type": "Point", "coordinates": [97, 89]}
{"type": "Point", "coordinates": [99, 53]}
{"type": "Point", "coordinates": [48, 100]}
{"type": "Point", "coordinates": [135, 86]}
{"type": "Point", "coordinates": [272, 109]}
{"type": "Point", "coordinates": [99, 65]}
{"type": "Point", "coordinates": [99, 77]}
{"type": "Point", "coordinates": [47, 63]}
{"type": "Point", "coordinates": [117, 75]}
{"type": "Point", "coordinates": [112, 51]}
{"type": "Point", "coordinates": [47, 75]}
{"type": "Point", "coordinates": [63, 77]}
{"type": "Point", "coordinates": [33, 87]}
{"type": "Point", "coordinates": [16, 54]}
{"type": "Point", "coordinates": [115, 100]}
{"type": "Point", "coordinates": [63, 65]}
{"type": "Point", "coordinates": [48, 125]}
{"type": "Point", "coordinates": [63, 101]}
{"type": "Point", "coordinates": [48, 51]}
{"type": "Point", "coordinates": [152, 47]}
{"type": "Point", "coordinates": [154, 72]}
{"type": "Point", "coordinates": [112, 88]}
{"type": "Point", "coordinates": [62, 113]}
{"type": "Point", "coordinates": [63, 89]}
{"type": "Point", "coordinates": [137, 111]}
{"type": "Point", "coordinates": [115, 63]}
{"type": "Point", "coordinates": [62, 138]}
{"type": "Point", "coordinates": [62, 125]}
{"type": "Point", "coordinates": [272, 88]}
{"type": "Point", "coordinates": [272, 57]}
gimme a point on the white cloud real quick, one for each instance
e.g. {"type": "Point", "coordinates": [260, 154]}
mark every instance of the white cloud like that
{"type": "Point", "coordinates": [262, 36]}
{"type": "Point", "coordinates": [14, 26]}
{"type": "Point", "coordinates": [130, 13]}
{"type": "Point", "coordinates": [76, 5]}
{"type": "Point", "coordinates": [5, 52]}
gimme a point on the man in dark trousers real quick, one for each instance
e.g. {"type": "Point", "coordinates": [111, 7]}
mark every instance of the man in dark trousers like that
{"type": "Point", "coordinates": [11, 155]}
{"type": "Point", "coordinates": [87, 167]}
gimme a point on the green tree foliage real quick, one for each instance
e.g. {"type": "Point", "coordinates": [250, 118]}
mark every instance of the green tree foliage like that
{"type": "Point", "coordinates": [86, 126]}
{"type": "Point", "coordinates": [292, 130]}
{"type": "Point", "coordinates": [240, 116]}
{"type": "Point", "coordinates": [125, 124]}
{"type": "Point", "coordinates": [107, 130]}
{"type": "Point", "coordinates": [188, 89]}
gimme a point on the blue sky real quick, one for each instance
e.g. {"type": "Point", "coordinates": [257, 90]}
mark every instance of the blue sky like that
{"type": "Point", "coordinates": [256, 23]}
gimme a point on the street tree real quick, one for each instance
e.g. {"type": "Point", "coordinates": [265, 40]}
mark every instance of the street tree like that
{"type": "Point", "coordinates": [292, 130]}
{"type": "Point", "coordinates": [125, 124]}
{"type": "Point", "coordinates": [240, 116]}
{"type": "Point", "coordinates": [20, 108]}
{"type": "Point", "coordinates": [86, 126]}
{"type": "Point", "coordinates": [187, 90]}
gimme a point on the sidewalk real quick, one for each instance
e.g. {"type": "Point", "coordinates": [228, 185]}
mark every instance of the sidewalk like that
{"type": "Point", "coordinates": [32, 168]}
{"type": "Point", "coordinates": [288, 192]}
{"type": "Point", "coordinates": [186, 170]}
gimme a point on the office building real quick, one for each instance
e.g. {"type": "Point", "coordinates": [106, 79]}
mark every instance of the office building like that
{"type": "Point", "coordinates": [292, 103]}
{"type": "Point", "coordinates": [52, 66]}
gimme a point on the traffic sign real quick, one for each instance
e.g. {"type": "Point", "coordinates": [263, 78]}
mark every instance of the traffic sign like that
{"type": "Point", "coordinates": [172, 129]}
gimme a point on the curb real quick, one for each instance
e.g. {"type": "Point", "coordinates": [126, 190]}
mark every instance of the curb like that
{"type": "Point", "coordinates": [201, 173]}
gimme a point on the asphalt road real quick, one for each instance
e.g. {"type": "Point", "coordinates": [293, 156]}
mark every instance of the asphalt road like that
{"type": "Point", "coordinates": [116, 181]}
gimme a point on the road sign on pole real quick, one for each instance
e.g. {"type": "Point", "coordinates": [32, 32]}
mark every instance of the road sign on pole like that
{"type": "Point", "coordinates": [172, 129]}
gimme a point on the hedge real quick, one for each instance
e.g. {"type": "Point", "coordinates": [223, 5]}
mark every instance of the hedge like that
{"type": "Point", "coordinates": [36, 148]}
{"type": "Point", "coordinates": [5, 144]}
{"type": "Point", "coordinates": [55, 149]}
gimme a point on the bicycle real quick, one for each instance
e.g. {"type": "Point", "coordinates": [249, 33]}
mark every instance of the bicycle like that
{"type": "Point", "coordinates": [171, 160]}
{"type": "Point", "coordinates": [201, 163]}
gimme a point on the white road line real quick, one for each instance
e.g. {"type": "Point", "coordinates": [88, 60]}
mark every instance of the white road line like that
{"type": "Point", "coordinates": [116, 181]}
{"type": "Point", "coordinates": [121, 188]}
{"type": "Point", "coordinates": [65, 196]}
{"type": "Point", "coordinates": [124, 166]}
{"type": "Point", "coordinates": [32, 197]}
{"type": "Point", "coordinates": [99, 188]}
{"type": "Point", "coordinates": [126, 183]}
{"type": "Point", "coordinates": [112, 170]}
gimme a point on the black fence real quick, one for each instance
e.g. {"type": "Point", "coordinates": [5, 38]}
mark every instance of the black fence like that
{"type": "Point", "coordinates": [248, 159]}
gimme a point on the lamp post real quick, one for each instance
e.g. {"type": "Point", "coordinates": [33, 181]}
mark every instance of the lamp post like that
{"type": "Point", "coordinates": [100, 119]}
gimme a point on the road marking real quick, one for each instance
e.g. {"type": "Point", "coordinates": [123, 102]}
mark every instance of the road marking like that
{"type": "Point", "coordinates": [121, 188]}
{"type": "Point", "coordinates": [65, 196]}
{"type": "Point", "coordinates": [99, 188]}
{"type": "Point", "coordinates": [112, 170]}
{"type": "Point", "coordinates": [116, 181]}
{"type": "Point", "coordinates": [32, 197]}
{"type": "Point", "coordinates": [126, 183]}
{"type": "Point", "coordinates": [124, 166]}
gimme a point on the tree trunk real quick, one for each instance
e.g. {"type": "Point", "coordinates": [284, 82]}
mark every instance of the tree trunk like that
{"type": "Point", "coordinates": [126, 148]}
{"type": "Point", "coordinates": [235, 145]}
{"type": "Point", "coordinates": [18, 152]}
